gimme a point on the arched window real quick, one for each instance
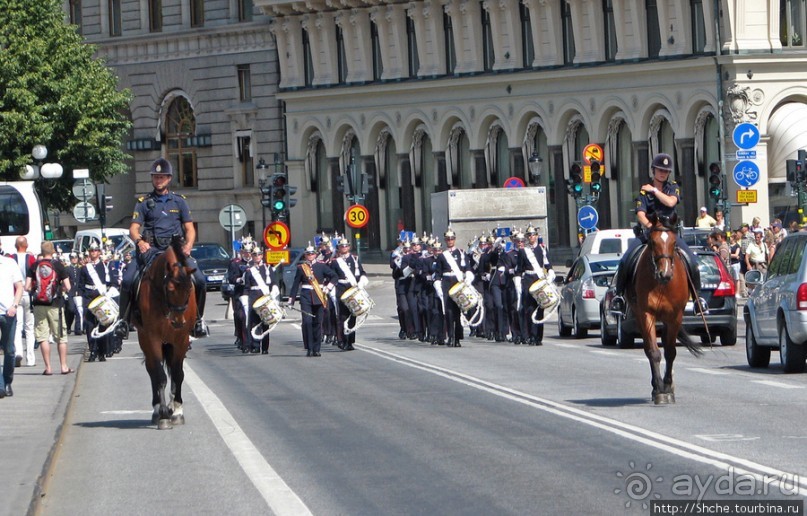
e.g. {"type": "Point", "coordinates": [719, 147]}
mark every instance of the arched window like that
{"type": "Point", "coordinates": [180, 126]}
{"type": "Point", "coordinates": [324, 188]}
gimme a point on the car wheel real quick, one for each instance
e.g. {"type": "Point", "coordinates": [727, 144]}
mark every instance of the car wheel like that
{"type": "Point", "coordinates": [563, 330]}
{"type": "Point", "coordinates": [791, 354]}
{"type": "Point", "coordinates": [607, 340]}
{"type": "Point", "coordinates": [624, 340]}
{"type": "Point", "coordinates": [757, 356]}
{"type": "Point", "coordinates": [729, 337]}
{"type": "Point", "coordinates": [579, 333]}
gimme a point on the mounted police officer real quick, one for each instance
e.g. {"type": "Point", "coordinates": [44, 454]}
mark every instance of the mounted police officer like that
{"type": "Point", "coordinates": [157, 217]}
{"type": "Point", "coordinates": [659, 197]}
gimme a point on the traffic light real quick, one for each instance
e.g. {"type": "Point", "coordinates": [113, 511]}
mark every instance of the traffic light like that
{"type": "Point", "coordinates": [279, 194]}
{"type": "Point", "coordinates": [104, 203]}
{"type": "Point", "coordinates": [574, 185]}
{"type": "Point", "coordinates": [266, 194]}
{"type": "Point", "coordinates": [596, 186]}
{"type": "Point", "coordinates": [290, 201]}
{"type": "Point", "coordinates": [366, 184]}
{"type": "Point", "coordinates": [716, 182]}
{"type": "Point", "coordinates": [340, 184]}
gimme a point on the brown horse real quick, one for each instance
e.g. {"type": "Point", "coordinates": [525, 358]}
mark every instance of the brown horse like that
{"type": "Point", "coordinates": [167, 313]}
{"type": "Point", "coordinates": [660, 294]}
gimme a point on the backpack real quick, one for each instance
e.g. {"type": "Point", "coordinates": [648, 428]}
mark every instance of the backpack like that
{"type": "Point", "coordinates": [47, 282]}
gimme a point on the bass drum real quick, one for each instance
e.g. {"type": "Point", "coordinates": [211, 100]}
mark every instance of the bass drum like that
{"type": "Point", "coordinates": [357, 301]}
{"type": "Point", "coordinates": [545, 294]}
{"type": "Point", "coordinates": [465, 296]}
{"type": "Point", "coordinates": [105, 310]}
{"type": "Point", "coordinates": [268, 310]}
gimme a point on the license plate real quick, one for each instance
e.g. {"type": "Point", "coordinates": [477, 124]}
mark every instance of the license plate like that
{"type": "Point", "coordinates": [215, 278]}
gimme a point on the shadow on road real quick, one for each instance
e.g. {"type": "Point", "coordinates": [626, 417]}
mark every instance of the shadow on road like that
{"type": "Point", "coordinates": [611, 402]}
{"type": "Point", "coordinates": [121, 424]}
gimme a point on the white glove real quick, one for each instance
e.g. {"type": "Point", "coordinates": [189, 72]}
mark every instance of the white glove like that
{"type": "Point", "coordinates": [274, 292]}
{"type": "Point", "coordinates": [363, 281]}
{"type": "Point", "coordinates": [486, 277]}
{"type": "Point", "coordinates": [469, 277]}
{"type": "Point", "coordinates": [550, 275]}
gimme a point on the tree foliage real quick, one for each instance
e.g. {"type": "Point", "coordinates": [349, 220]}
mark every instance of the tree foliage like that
{"type": "Point", "coordinates": [54, 91]}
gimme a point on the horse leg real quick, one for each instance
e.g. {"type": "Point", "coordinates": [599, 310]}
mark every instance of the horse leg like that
{"type": "Point", "coordinates": [653, 353]}
{"type": "Point", "coordinates": [670, 351]}
{"type": "Point", "coordinates": [177, 377]}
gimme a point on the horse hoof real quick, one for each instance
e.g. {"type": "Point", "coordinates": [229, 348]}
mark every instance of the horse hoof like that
{"type": "Point", "coordinates": [178, 420]}
{"type": "Point", "coordinates": [661, 399]}
{"type": "Point", "coordinates": [164, 424]}
{"type": "Point", "coordinates": [155, 418]}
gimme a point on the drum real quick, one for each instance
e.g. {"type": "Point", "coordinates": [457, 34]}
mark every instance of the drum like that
{"type": "Point", "coordinates": [105, 309]}
{"type": "Point", "coordinates": [268, 310]}
{"type": "Point", "coordinates": [545, 294]}
{"type": "Point", "coordinates": [357, 301]}
{"type": "Point", "coordinates": [466, 296]}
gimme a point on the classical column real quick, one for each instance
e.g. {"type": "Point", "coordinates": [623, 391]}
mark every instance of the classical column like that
{"type": "Point", "coordinates": [561, 198]}
{"type": "Point", "coordinates": [441, 170]}
{"type": "Point", "coordinates": [480, 168]}
{"type": "Point", "coordinates": [337, 197]}
{"type": "Point", "coordinates": [372, 231]}
{"type": "Point", "coordinates": [688, 206]}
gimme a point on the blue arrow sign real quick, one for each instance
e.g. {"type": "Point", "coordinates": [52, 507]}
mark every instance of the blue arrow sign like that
{"type": "Point", "coordinates": [587, 217]}
{"type": "Point", "coordinates": [745, 136]}
{"type": "Point", "coordinates": [746, 173]}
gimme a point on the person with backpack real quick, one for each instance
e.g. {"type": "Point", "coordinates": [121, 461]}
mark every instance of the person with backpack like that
{"type": "Point", "coordinates": [47, 281]}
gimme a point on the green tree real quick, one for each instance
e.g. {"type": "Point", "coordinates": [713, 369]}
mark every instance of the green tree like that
{"type": "Point", "coordinates": [54, 91]}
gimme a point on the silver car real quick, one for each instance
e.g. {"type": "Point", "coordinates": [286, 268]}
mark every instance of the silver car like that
{"type": "Point", "coordinates": [776, 312]}
{"type": "Point", "coordinates": [581, 292]}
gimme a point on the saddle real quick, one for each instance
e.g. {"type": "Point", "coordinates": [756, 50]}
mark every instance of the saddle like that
{"type": "Point", "coordinates": [632, 260]}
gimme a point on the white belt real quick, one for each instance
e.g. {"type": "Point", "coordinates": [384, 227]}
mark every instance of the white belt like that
{"type": "Point", "coordinates": [307, 287]}
{"type": "Point", "coordinates": [254, 288]}
{"type": "Point", "coordinates": [531, 273]}
{"type": "Point", "coordinates": [500, 269]}
{"type": "Point", "coordinates": [344, 282]}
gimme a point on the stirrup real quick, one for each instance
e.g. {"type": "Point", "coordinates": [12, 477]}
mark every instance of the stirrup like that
{"type": "Point", "coordinates": [702, 308]}
{"type": "Point", "coordinates": [200, 329]}
{"type": "Point", "coordinates": [618, 306]}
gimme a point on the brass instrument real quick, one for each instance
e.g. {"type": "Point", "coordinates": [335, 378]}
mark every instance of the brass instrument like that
{"type": "Point", "coordinates": [309, 275]}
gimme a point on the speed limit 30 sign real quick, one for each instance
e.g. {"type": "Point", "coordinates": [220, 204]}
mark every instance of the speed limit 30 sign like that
{"type": "Point", "coordinates": [357, 216]}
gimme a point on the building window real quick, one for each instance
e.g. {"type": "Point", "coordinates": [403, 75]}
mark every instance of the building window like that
{"type": "Point", "coordinates": [155, 15]}
{"type": "Point", "coordinates": [180, 126]}
{"type": "Point", "coordinates": [308, 62]}
{"type": "Point", "coordinates": [245, 161]}
{"type": "Point", "coordinates": [487, 41]}
{"type": "Point", "coordinates": [75, 14]}
{"type": "Point", "coordinates": [197, 13]}
{"type": "Point", "coordinates": [609, 26]}
{"type": "Point", "coordinates": [527, 48]}
{"type": "Point", "coordinates": [698, 27]}
{"type": "Point", "coordinates": [341, 58]}
{"type": "Point", "coordinates": [792, 23]}
{"type": "Point", "coordinates": [568, 32]}
{"type": "Point", "coordinates": [115, 23]}
{"type": "Point", "coordinates": [245, 10]}
{"type": "Point", "coordinates": [378, 65]}
{"type": "Point", "coordinates": [653, 31]}
{"type": "Point", "coordinates": [451, 53]}
{"type": "Point", "coordinates": [412, 45]}
{"type": "Point", "coordinates": [244, 83]}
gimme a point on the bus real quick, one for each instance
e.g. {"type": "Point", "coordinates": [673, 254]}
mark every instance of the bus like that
{"type": "Point", "coordinates": [21, 214]}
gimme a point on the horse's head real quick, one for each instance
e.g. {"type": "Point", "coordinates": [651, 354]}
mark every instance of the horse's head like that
{"type": "Point", "coordinates": [662, 246]}
{"type": "Point", "coordinates": [177, 286]}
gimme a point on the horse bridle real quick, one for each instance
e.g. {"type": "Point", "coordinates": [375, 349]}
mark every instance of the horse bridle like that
{"type": "Point", "coordinates": [657, 258]}
{"type": "Point", "coordinates": [172, 307]}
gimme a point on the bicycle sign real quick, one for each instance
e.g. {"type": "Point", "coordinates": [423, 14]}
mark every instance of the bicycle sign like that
{"type": "Point", "coordinates": [746, 174]}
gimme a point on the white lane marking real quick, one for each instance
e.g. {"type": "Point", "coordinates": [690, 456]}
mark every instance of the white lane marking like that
{"type": "Point", "coordinates": [562, 345]}
{"type": "Point", "coordinates": [781, 385]}
{"type": "Point", "coordinates": [726, 437]}
{"type": "Point", "coordinates": [277, 494]}
{"type": "Point", "coordinates": [125, 412]}
{"type": "Point", "coordinates": [606, 353]}
{"type": "Point", "coordinates": [638, 434]}
{"type": "Point", "coordinates": [706, 371]}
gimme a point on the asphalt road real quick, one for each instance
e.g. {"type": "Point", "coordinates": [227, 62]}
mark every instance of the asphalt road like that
{"type": "Point", "coordinates": [401, 427]}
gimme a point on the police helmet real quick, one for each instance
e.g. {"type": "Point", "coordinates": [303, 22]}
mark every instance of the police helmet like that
{"type": "Point", "coordinates": [162, 166]}
{"type": "Point", "coordinates": [663, 162]}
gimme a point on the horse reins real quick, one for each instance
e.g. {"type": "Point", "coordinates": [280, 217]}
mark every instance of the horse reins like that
{"type": "Point", "coordinates": [172, 307]}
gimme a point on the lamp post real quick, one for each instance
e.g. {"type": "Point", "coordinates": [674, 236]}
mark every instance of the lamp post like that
{"type": "Point", "coordinates": [42, 170]}
{"type": "Point", "coordinates": [266, 190]}
{"type": "Point", "coordinates": [535, 163]}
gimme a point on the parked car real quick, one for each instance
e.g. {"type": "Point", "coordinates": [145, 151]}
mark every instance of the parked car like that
{"type": "Point", "coordinates": [776, 312]}
{"type": "Point", "coordinates": [64, 246]}
{"type": "Point", "coordinates": [118, 237]}
{"type": "Point", "coordinates": [214, 261]}
{"type": "Point", "coordinates": [581, 293]}
{"type": "Point", "coordinates": [286, 271]}
{"type": "Point", "coordinates": [697, 237]}
{"type": "Point", "coordinates": [607, 241]}
{"type": "Point", "coordinates": [717, 290]}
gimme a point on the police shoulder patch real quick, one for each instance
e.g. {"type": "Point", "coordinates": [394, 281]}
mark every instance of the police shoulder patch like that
{"type": "Point", "coordinates": [141, 198]}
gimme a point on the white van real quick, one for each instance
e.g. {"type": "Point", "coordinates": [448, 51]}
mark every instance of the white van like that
{"type": "Point", "coordinates": [118, 236]}
{"type": "Point", "coordinates": [607, 241]}
{"type": "Point", "coordinates": [21, 214]}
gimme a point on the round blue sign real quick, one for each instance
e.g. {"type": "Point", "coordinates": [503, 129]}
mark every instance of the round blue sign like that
{"type": "Point", "coordinates": [746, 173]}
{"type": "Point", "coordinates": [745, 136]}
{"type": "Point", "coordinates": [587, 217]}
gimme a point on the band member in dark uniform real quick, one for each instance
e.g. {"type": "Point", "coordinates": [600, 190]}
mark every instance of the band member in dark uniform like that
{"type": "Point", "coordinates": [75, 303]}
{"type": "Point", "coordinates": [451, 268]}
{"type": "Point", "coordinates": [313, 279]}
{"type": "Point", "coordinates": [533, 265]}
{"type": "Point", "coordinates": [96, 279]}
{"type": "Point", "coordinates": [257, 283]}
{"type": "Point", "coordinates": [351, 273]}
{"type": "Point", "coordinates": [239, 299]}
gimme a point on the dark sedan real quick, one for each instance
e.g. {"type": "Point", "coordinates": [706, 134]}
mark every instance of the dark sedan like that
{"type": "Point", "coordinates": [717, 289]}
{"type": "Point", "coordinates": [214, 261]}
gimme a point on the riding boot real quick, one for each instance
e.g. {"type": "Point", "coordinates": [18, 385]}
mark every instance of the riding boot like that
{"type": "Point", "coordinates": [122, 329]}
{"type": "Point", "coordinates": [200, 330]}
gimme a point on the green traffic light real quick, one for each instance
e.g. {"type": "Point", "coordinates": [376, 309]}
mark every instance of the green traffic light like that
{"type": "Point", "coordinates": [596, 187]}
{"type": "Point", "coordinates": [715, 192]}
{"type": "Point", "coordinates": [278, 205]}
{"type": "Point", "coordinates": [578, 188]}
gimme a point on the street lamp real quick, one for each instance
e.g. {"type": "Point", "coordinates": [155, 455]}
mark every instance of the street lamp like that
{"type": "Point", "coordinates": [536, 164]}
{"type": "Point", "coordinates": [265, 187]}
{"type": "Point", "coordinates": [40, 169]}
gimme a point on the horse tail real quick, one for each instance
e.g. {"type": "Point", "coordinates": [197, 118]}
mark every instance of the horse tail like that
{"type": "Point", "coordinates": [693, 347]}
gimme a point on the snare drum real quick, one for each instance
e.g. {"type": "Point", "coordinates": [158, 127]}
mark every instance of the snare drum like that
{"type": "Point", "coordinates": [105, 309]}
{"type": "Point", "coordinates": [357, 301]}
{"type": "Point", "coordinates": [544, 293]}
{"type": "Point", "coordinates": [268, 310]}
{"type": "Point", "coordinates": [465, 296]}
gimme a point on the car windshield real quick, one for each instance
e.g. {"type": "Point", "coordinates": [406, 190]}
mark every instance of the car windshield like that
{"type": "Point", "coordinates": [709, 269]}
{"type": "Point", "coordinates": [609, 266]}
{"type": "Point", "coordinates": [210, 252]}
{"type": "Point", "coordinates": [610, 245]}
